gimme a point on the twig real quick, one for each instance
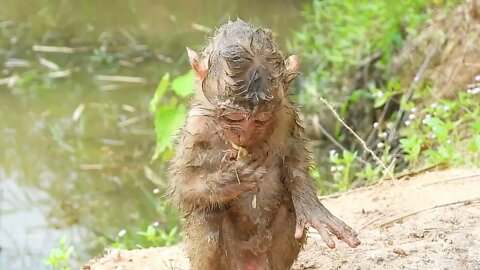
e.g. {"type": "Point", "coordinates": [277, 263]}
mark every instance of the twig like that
{"type": "Point", "coordinates": [55, 49]}
{"type": "Point", "coordinates": [395, 220]}
{"type": "Point", "coordinates": [452, 179]}
{"type": "Point", "coordinates": [420, 170]}
{"type": "Point", "coordinates": [127, 79]}
{"type": "Point", "coordinates": [330, 137]}
{"type": "Point", "coordinates": [387, 171]}
{"type": "Point", "coordinates": [418, 77]}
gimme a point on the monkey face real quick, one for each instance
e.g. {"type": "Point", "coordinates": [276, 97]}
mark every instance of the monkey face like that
{"type": "Point", "coordinates": [246, 129]}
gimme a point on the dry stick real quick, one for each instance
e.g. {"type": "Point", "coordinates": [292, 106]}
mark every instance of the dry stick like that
{"type": "Point", "coordinates": [364, 144]}
{"type": "Point", "coordinates": [453, 179]}
{"type": "Point", "coordinates": [395, 220]}
{"type": "Point", "coordinates": [330, 137]}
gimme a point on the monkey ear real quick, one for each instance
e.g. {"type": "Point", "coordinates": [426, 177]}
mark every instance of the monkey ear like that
{"type": "Point", "coordinates": [292, 65]}
{"type": "Point", "coordinates": [198, 69]}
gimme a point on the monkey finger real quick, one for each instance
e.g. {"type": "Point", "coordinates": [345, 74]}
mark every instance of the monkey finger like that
{"type": "Point", "coordinates": [345, 233]}
{"type": "Point", "coordinates": [301, 226]}
{"type": "Point", "coordinates": [325, 234]}
{"type": "Point", "coordinates": [349, 236]}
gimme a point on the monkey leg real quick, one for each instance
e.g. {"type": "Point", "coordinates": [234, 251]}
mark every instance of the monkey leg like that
{"type": "Point", "coordinates": [203, 243]}
{"type": "Point", "coordinates": [285, 247]}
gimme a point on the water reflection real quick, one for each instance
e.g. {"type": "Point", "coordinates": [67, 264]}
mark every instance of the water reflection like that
{"type": "Point", "coordinates": [75, 149]}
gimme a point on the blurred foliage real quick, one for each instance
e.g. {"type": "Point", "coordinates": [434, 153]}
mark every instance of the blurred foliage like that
{"type": "Point", "coordinates": [60, 258]}
{"type": "Point", "coordinates": [346, 46]}
{"type": "Point", "coordinates": [344, 43]}
{"type": "Point", "coordinates": [169, 110]}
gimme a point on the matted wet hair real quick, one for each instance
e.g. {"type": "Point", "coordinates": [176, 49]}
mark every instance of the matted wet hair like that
{"type": "Point", "coordinates": [245, 67]}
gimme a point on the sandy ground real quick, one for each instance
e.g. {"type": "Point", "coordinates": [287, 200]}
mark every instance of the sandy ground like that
{"type": "Point", "coordinates": [431, 221]}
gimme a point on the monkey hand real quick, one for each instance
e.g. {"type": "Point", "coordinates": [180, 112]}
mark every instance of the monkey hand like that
{"type": "Point", "coordinates": [324, 222]}
{"type": "Point", "coordinates": [238, 177]}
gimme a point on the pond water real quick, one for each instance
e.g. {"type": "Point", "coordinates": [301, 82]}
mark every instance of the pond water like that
{"type": "Point", "coordinates": [75, 144]}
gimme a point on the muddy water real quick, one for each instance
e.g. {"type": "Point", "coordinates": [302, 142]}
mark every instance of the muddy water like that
{"type": "Point", "coordinates": [75, 149]}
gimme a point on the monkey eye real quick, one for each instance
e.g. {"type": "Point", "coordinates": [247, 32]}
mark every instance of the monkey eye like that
{"type": "Point", "coordinates": [263, 117]}
{"type": "Point", "coordinates": [234, 117]}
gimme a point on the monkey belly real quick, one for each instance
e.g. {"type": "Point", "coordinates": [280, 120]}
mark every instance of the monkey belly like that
{"type": "Point", "coordinates": [261, 235]}
{"type": "Point", "coordinates": [249, 246]}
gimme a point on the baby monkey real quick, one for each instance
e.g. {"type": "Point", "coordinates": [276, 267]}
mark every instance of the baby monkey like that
{"type": "Point", "coordinates": [240, 171]}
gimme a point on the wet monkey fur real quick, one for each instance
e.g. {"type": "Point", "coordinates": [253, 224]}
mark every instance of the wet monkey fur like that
{"type": "Point", "coordinates": [240, 170]}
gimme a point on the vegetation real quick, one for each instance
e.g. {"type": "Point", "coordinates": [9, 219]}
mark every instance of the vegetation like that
{"type": "Point", "coordinates": [60, 258]}
{"type": "Point", "coordinates": [347, 48]}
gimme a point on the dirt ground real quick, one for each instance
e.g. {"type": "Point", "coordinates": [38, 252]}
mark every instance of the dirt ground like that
{"type": "Point", "coordinates": [431, 221]}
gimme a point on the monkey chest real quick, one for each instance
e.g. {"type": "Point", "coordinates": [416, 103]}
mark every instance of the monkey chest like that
{"type": "Point", "coordinates": [260, 206]}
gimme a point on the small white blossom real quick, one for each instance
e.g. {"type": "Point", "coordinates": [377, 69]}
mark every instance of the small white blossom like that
{"type": "Point", "coordinates": [332, 152]}
{"type": "Point", "coordinates": [433, 136]}
{"type": "Point", "coordinates": [122, 233]}
{"type": "Point", "coordinates": [411, 116]}
{"type": "Point", "coordinates": [408, 123]}
{"type": "Point", "coordinates": [379, 94]}
{"type": "Point", "coordinates": [156, 224]}
{"type": "Point", "coordinates": [375, 125]}
{"type": "Point", "coordinates": [413, 109]}
{"type": "Point", "coordinates": [380, 145]}
{"type": "Point", "coordinates": [446, 108]}
{"type": "Point", "coordinates": [474, 91]}
{"type": "Point", "coordinates": [333, 169]}
{"type": "Point", "coordinates": [424, 121]}
{"type": "Point", "coordinates": [434, 105]}
{"type": "Point", "coordinates": [340, 168]}
{"type": "Point", "coordinates": [383, 134]}
{"type": "Point", "coordinates": [449, 141]}
{"type": "Point", "coordinates": [156, 191]}
{"type": "Point", "coordinates": [477, 78]}
{"type": "Point", "coordinates": [428, 116]}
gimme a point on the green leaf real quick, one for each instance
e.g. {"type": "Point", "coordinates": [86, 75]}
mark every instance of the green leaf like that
{"type": "Point", "coordinates": [349, 157]}
{"type": "Point", "coordinates": [168, 121]}
{"type": "Point", "coordinates": [183, 85]}
{"type": "Point", "coordinates": [159, 92]}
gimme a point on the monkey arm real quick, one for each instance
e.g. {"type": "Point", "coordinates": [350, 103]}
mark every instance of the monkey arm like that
{"type": "Point", "coordinates": [198, 189]}
{"type": "Point", "coordinates": [200, 179]}
{"type": "Point", "coordinates": [308, 208]}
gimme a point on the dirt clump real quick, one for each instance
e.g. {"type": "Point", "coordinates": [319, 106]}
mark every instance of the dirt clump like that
{"type": "Point", "coordinates": [426, 222]}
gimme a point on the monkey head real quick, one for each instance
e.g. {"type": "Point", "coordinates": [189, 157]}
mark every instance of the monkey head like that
{"type": "Point", "coordinates": [245, 79]}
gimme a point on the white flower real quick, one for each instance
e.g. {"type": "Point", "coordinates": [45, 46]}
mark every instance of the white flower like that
{"type": "Point", "coordinates": [477, 78]}
{"type": "Point", "coordinates": [332, 152]}
{"type": "Point", "coordinates": [446, 108]}
{"type": "Point", "coordinates": [434, 105]}
{"type": "Point", "coordinates": [333, 169]}
{"type": "Point", "coordinates": [156, 191]}
{"type": "Point", "coordinates": [156, 224]}
{"type": "Point", "coordinates": [122, 233]}
{"type": "Point", "coordinates": [380, 145]}
{"type": "Point", "coordinates": [375, 125]}
{"type": "Point", "coordinates": [340, 168]}
{"type": "Point", "coordinates": [408, 123]}
{"type": "Point", "coordinates": [379, 94]}
{"type": "Point", "coordinates": [433, 136]}
{"type": "Point", "coordinates": [413, 109]}
{"type": "Point", "coordinates": [449, 141]}
{"type": "Point", "coordinates": [411, 116]}
{"type": "Point", "coordinates": [428, 116]}
{"type": "Point", "coordinates": [383, 135]}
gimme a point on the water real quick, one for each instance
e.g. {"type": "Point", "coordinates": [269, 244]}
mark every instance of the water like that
{"type": "Point", "coordinates": [75, 150]}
